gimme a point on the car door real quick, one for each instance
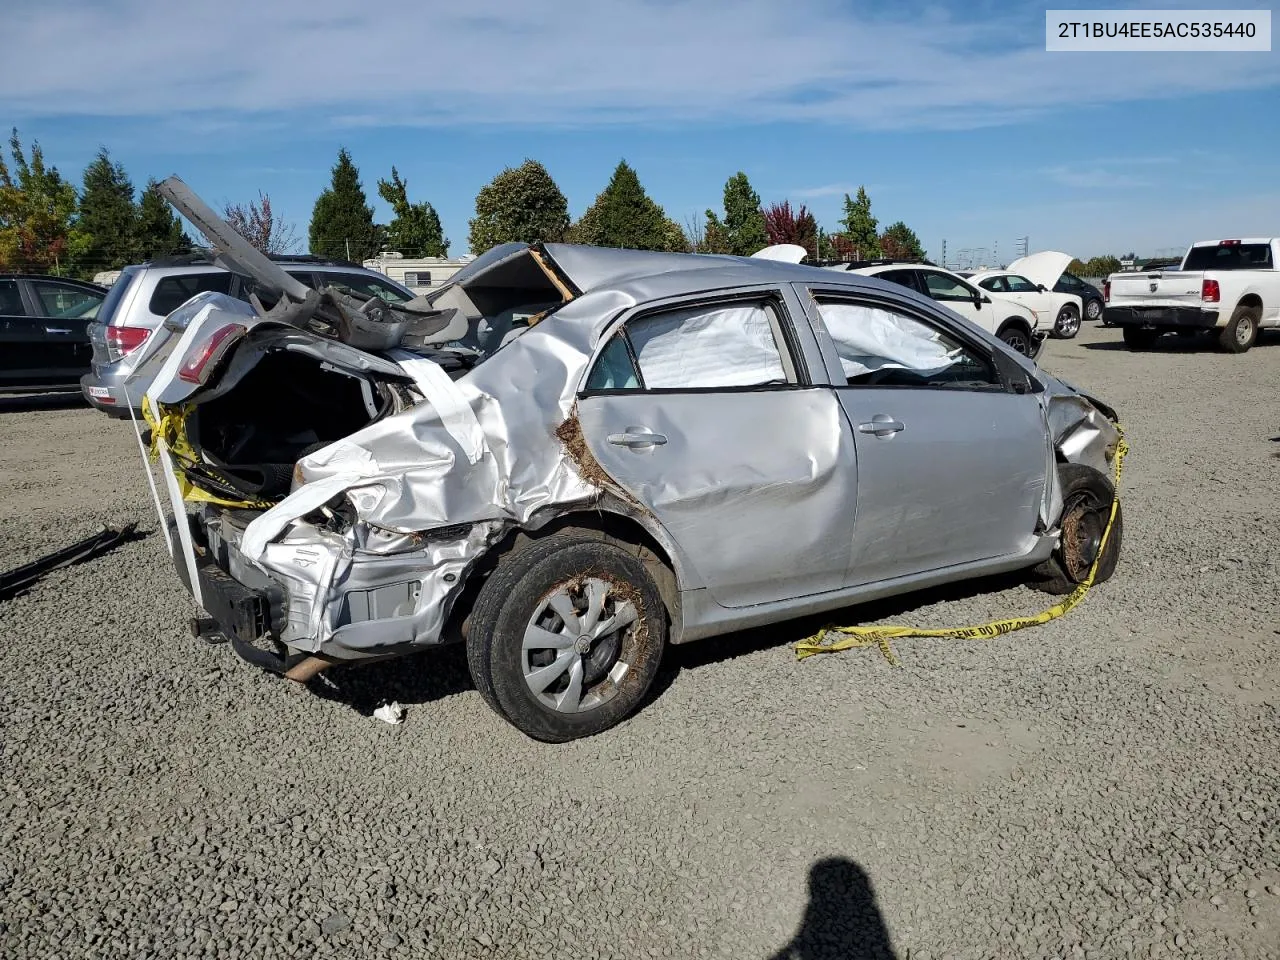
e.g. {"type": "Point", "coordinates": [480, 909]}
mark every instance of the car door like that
{"type": "Point", "coordinates": [957, 295]}
{"type": "Point", "coordinates": [1023, 291]}
{"type": "Point", "coordinates": [952, 459]}
{"type": "Point", "coordinates": [20, 348]}
{"type": "Point", "coordinates": [65, 311]}
{"type": "Point", "coordinates": [705, 413]}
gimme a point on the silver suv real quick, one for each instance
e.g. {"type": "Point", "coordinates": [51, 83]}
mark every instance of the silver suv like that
{"type": "Point", "coordinates": [138, 302]}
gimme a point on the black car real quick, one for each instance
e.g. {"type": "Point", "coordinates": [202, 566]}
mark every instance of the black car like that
{"type": "Point", "coordinates": [1087, 292]}
{"type": "Point", "coordinates": [44, 340]}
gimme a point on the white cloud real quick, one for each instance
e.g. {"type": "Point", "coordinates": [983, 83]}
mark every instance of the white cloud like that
{"type": "Point", "coordinates": [573, 62]}
{"type": "Point", "coordinates": [1094, 177]}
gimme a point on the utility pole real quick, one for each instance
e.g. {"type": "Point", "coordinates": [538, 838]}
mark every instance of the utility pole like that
{"type": "Point", "coordinates": [944, 252]}
{"type": "Point", "coordinates": [347, 241]}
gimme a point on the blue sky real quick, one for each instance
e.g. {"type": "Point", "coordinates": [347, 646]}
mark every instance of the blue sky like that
{"type": "Point", "coordinates": [953, 115]}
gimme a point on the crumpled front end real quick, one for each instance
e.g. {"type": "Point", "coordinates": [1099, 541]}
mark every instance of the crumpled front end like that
{"type": "Point", "coordinates": [1081, 429]}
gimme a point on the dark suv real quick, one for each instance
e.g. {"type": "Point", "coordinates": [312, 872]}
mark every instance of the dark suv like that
{"type": "Point", "coordinates": [44, 343]}
{"type": "Point", "coordinates": [145, 294]}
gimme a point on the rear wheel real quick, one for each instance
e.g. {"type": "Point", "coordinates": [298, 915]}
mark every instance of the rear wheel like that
{"type": "Point", "coordinates": [566, 637]}
{"type": "Point", "coordinates": [1241, 331]}
{"type": "Point", "coordinates": [1017, 337]}
{"type": "Point", "coordinates": [1068, 323]}
{"type": "Point", "coordinates": [1093, 311]}
{"type": "Point", "coordinates": [1087, 496]}
{"type": "Point", "coordinates": [1137, 338]}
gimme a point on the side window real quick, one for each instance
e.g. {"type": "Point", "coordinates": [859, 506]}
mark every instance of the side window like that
{"type": "Point", "coordinates": [943, 287]}
{"type": "Point", "coordinates": [419, 278]}
{"type": "Point", "coordinates": [172, 292]}
{"type": "Point", "coordinates": [365, 286]}
{"type": "Point", "coordinates": [904, 278]}
{"type": "Point", "coordinates": [879, 346]}
{"type": "Point", "coordinates": [65, 302]}
{"type": "Point", "coordinates": [1021, 284]}
{"type": "Point", "coordinates": [10, 299]}
{"type": "Point", "coordinates": [994, 284]}
{"type": "Point", "coordinates": [705, 347]}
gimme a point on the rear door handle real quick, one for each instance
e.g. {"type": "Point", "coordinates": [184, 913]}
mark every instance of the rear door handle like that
{"type": "Point", "coordinates": [882, 425]}
{"type": "Point", "coordinates": [637, 438]}
{"type": "Point", "coordinates": [56, 330]}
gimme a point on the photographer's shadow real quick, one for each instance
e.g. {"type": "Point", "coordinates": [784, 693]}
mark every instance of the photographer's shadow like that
{"type": "Point", "coordinates": [842, 919]}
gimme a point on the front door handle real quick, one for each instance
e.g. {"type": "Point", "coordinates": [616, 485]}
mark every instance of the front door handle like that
{"type": "Point", "coordinates": [56, 330]}
{"type": "Point", "coordinates": [637, 438]}
{"type": "Point", "coordinates": [882, 425]}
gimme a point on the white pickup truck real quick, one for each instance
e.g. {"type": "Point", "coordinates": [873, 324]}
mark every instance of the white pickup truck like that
{"type": "Point", "coordinates": [1230, 288]}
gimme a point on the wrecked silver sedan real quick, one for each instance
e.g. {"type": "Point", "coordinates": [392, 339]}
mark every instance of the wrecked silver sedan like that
{"type": "Point", "coordinates": [571, 456]}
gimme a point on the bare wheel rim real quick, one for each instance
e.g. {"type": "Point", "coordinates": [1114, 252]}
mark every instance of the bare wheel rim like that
{"type": "Point", "coordinates": [1083, 525]}
{"type": "Point", "coordinates": [579, 645]}
{"type": "Point", "coordinates": [1244, 329]}
{"type": "Point", "coordinates": [1068, 322]}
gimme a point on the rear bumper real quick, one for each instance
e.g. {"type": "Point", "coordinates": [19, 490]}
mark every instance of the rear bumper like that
{"type": "Point", "coordinates": [106, 396]}
{"type": "Point", "coordinates": [1162, 318]}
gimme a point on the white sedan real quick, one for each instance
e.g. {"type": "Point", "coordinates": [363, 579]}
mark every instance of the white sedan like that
{"type": "Point", "coordinates": [1036, 291]}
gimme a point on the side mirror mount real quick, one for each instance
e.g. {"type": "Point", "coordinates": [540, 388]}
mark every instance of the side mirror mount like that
{"type": "Point", "coordinates": [985, 298]}
{"type": "Point", "coordinates": [1042, 288]}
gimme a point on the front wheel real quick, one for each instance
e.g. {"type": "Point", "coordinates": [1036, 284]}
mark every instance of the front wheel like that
{"type": "Point", "coordinates": [566, 637]}
{"type": "Point", "coordinates": [1019, 339]}
{"type": "Point", "coordinates": [1068, 323]}
{"type": "Point", "coordinates": [1087, 496]}
{"type": "Point", "coordinates": [1093, 312]}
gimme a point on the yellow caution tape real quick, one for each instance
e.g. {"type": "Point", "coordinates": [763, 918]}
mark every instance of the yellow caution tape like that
{"type": "Point", "coordinates": [172, 427]}
{"type": "Point", "coordinates": [880, 636]}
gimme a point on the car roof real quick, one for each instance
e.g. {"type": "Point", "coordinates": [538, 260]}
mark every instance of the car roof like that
{"type": "Point", "coordinates": [96, 288]}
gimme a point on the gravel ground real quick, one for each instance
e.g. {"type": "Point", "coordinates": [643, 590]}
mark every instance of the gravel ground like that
{"type": "Point", "coordinates": [1104, 786]}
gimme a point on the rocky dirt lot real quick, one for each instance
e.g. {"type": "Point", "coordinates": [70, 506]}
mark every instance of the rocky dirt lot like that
{"type": "Point", "coordinates": [1107, 785]}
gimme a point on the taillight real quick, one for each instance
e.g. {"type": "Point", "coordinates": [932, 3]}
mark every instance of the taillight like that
{"type": "Point", "coordinates": [1209, 291]}
{"type": "Point", "coordinates": [122, 341]}
{"type": "Point", "coordinates": [197, 367]}
{"type": "Point", "coordinates": [1106, 291]}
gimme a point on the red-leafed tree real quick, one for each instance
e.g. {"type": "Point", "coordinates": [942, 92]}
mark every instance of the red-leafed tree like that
{"type": "Point", "coordinates": [784, 225]}
{"type": "Point", "coordinates": [257, 224]}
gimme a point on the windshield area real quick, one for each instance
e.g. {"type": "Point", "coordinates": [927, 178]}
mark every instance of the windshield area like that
{"type": "Point", "coordinates": [1230, 256]}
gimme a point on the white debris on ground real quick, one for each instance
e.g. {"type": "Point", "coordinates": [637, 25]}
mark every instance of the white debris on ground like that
{"type": "Point", "coordinates": [1104, 786]}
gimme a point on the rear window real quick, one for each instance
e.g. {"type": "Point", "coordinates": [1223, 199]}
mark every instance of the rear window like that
{"type": "Point", "coordinates": [1234, 256]}
{"type": "Point", "coordinates": [115, 294]}
{"type": "Point", "coordinates": [366, 286]}
{"type": "Point", "coordinates": [173, 292]}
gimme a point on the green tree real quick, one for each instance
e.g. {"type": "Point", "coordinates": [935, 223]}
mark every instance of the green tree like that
{"type": "Point", "coordinates": [1102, 266]}
{"type": "Point", "coordinates": [674, 238]}
{"type": "Point", "coordinates": [623, 215]}
{"type": "Point", "coordinates": [860, 226]}
{"type": "Point", "coordinates": [899, 242]}
{"type": "Point", "coordinates": [342, 220]}
{"type": "Point", "coordinates": [415, 229]}
{"type": "Point", "coordinates": [160, 231]}
{"type": "Point", "coordinates": [519, 205]}
{"type": "Point", "coordinates": [1077, 267]}
{"type": "Point", "coordinates": [36, 211]}
{"type": "Point", "coordinates": [106, 231]}
{"type": "Point", "coordinates": [743, 230]}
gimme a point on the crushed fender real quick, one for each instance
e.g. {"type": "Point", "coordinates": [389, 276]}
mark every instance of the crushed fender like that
{"type": "Point", "coordinates": [15, 581]}
{"type": "Point", "coordinates": [833, 638]}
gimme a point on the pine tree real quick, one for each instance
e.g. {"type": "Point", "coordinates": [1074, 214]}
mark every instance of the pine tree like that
{"type": "Point", "coordinates": [160, 231]}
{"type": "Point", "coordinates": [415, 230]}
{"type": "Point", "coordinates": [742, 232]}
{"type": "Point", "coordinates": [623, 215]}
{"type": "Point", "coordinates": [342, 220]}
{"type": "Point", "coordinates": [106, 230]}
{"type": "Point", "coordinates": [860, 226]}
{"type": "Point", "coordinates": [519, 205]}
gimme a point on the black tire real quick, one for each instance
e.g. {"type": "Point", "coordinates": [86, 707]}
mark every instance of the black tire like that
{"type": "Point", "coordinates": [1086, 505]}
{"type": "Point", "coordinates": [1093, 312]}
{"type": "Point", "coordinates": [1241, 331]}
{"type": "Point", "coordinates": [519, 591]}
{"type": "Point", "coordinates": [1068, 323]}
{"type": "Point", "coordinates": [1018, 337]}
{"type": "Point", "coordinates": [1136, 338]}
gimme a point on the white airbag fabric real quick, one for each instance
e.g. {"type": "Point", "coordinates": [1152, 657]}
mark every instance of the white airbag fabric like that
{"type": "Point", "coordinates": [729, 347]}
{"type": "Point", "coordinates": [869, 339]}
{"type": "Point", "coordinates": [443, 394]}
